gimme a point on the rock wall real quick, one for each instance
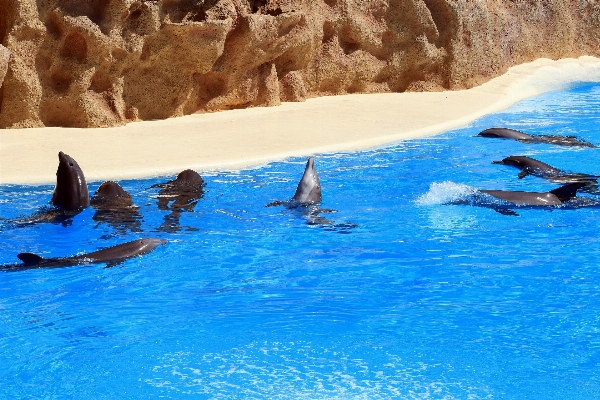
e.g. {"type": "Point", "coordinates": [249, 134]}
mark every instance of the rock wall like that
{"type": "Point", "coordinates": [99, 63]}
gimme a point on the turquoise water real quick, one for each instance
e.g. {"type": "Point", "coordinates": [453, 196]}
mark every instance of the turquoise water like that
{"type": "Point", "coordinates": [396, 295]}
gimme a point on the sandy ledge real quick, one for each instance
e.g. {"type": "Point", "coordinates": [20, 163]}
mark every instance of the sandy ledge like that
{"type": "Point", "coordinates": [242, 138]}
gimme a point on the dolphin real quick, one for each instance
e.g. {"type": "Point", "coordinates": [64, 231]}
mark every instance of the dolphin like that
{"type": "Point", "coordinates": [69, 198]}
{"type": "Point", "coordinates": [506, 133]}
{"type": "Point", "coordinates": [309, 187]}
{"type": "Point", "coordinates": [308, 191]}
{"type": "Point", "coordinates": [111, 256]}
{"type": "Point", "coordinates": [115, 206]}
{"type": "Point", "coordinates": [185, 191]}
{"type": "Point", "coordinates": [306, 200]}
{"type": "Point", "coordinates": [111, 195]}
{"type": "Point", "coordinates": [179, 195]}
{"type": "Point", "coordinates": [531, 166]}
{"type": "Point", "coordinates": [552, 198]}
{"type": "Point", "coordinates": [564, 197]}
{"type": "Point", "coordinates": [71, 191]}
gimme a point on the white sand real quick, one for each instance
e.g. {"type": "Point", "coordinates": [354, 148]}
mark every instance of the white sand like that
{"type": "Point", "coordinates": [242, 138]}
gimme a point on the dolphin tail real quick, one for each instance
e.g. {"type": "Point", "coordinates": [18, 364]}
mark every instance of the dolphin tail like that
{"type": "Point", "coordinates": [568, 191]}
{"type": "Point", "coordinates": [29, 258]}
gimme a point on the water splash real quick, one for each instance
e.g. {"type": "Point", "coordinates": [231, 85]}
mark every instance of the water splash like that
{"type": "Point", "coordinates": [445, 192]}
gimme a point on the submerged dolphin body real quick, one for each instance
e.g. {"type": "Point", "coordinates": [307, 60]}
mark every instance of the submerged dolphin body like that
{"type": "Point", "coordinates": [506, 133]}
{"type": "Point", "coordinates": [110, 256]}
{"type": "Point", "coordinates": [531, 166]}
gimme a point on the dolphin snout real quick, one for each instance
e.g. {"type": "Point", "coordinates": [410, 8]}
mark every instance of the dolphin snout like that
{"type": "Point", "coordinates": [65, 159]}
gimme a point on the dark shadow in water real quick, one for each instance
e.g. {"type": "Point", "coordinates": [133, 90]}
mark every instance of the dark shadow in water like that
{"type": "Point", "coordinates": [47, 214]}
{"type": "Point", "coordinates": [314, 216]}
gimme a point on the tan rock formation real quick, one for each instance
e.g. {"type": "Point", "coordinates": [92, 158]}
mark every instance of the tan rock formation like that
{"type": "Point", "coordinates": [102, 63]}
{"type": "Point", "coordinates": [4, 57]}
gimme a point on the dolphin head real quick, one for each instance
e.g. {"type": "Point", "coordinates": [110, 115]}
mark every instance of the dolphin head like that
{"type": "Point", "coordinates": [189, 177]}
{"type": "Point", "coordinates": [111, 194]}
{"type": "Point", "coordinates": [71, 191]}
{"type": "Point", "coordinates": [513, 161]}
{"type": "Point", "coordinates": [309, 187]}
{"type": "Point", "coordinates": [111, 189]}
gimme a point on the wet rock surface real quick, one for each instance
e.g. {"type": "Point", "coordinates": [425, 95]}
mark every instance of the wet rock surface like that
{"type": "Point", "coordinates": [103, 63]}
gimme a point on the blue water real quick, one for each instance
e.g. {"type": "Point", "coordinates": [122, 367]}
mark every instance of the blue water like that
{"type": "Point", "coordinates": [399, 296]}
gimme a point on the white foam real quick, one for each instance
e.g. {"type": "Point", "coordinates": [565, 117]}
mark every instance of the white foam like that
{"type": "Point", "coordinates": [445, 192]}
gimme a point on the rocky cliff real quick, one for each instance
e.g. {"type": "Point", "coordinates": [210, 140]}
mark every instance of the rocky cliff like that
{"type": "Point", "coordinates": [99, 63]}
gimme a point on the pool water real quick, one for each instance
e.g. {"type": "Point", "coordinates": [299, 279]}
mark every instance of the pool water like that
{"type": "Point", "coordinates": [396, 294]}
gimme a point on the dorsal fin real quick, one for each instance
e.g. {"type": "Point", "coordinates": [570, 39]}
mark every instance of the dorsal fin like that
{"type": "Point", "coordinates": [568, 191]}
{"type": "Point", "coordinates": [29, 258]}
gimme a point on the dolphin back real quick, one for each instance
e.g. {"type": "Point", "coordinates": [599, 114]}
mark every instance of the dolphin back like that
{"type": "Point", "coordinates": [504, 133]}
{"type": "Point", "coordinates": [522, 162]}
{"type": "Point", "coordinates": [123, 251]}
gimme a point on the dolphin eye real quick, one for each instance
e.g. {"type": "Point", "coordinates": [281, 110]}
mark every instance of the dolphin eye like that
{"type": "Point", "coordinates": [70, 164]}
